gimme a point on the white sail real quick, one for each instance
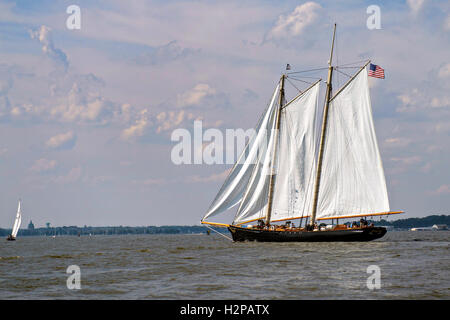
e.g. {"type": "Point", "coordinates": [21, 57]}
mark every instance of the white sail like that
{"type": "Point", "coordinates": [353, 181]}
{"type": "Point", "coordinates": [236, 183]}
{"type": "Point", "coordinates": [294, 183]}
{"type": "Point", "coordinates": [17, 222]}
{"type": "Point", "coordinates": [254, 203]}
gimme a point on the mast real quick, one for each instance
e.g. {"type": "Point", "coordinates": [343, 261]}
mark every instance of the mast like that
{"type": "Point", "coordinates": [272, 174]}
{"type": "Point", "coordinates": [323, 134]}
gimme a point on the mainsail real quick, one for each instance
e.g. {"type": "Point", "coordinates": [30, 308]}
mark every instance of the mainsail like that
{"type": "Point", "coordinates": [353, 181]}
{"type": "Point", "coordinates": [17, 222]}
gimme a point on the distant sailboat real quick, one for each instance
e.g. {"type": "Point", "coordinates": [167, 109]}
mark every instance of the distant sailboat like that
{"type": "Point", "coordinates": [16, 225]}
{"type": "Point", "coordinates": [278, 177]}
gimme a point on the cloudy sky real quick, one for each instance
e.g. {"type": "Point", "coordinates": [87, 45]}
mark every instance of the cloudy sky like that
{"type": "Point", "coordinates": [86, 115]}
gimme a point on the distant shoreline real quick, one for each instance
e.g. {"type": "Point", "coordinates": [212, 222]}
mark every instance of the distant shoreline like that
{"type": "Point", "coordinates": [401, 224]}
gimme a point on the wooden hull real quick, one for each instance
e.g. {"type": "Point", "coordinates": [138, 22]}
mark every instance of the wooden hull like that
{"type": "Point", "coordinates": [348, 235]}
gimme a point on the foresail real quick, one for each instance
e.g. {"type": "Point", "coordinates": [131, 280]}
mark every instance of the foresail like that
{"type": "Point", "coordinates": [294, 183]}
{"type": "Point", "coordinates": [236, 183]}
{"type": "Point", "coordinates": [254, 203]}
{"type": "Point", "coordinates": [353, 181]}
{"type": "Point", "coordinates": [17, 222]}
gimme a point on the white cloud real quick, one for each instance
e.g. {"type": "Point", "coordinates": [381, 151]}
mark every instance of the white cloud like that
{"type": "Point", "coordinates": [171, 119]}
{"type": "Point", "coordinates": [397, 142]}
{"type": "Point", "coordinates": [159, 123]}
{"type": "Point", "coordinates": [62, 141]}
{"type": "Point", "coordinates": [195, 95]}
{"type": "Point", "coordinates": [444, 72]}
{"type": "Point", "coordinates": [215, 177]}
{"type": "Point", "coordinates": [408, 160]}
{"type": "Point", "coordinates": [72, 176]}
{"type": "Point", "coordinates": [138, 128]}
{"type": "Point", "coordinates": [415, 5]}
{"type": "Point", "coordinates": [82, 107]}
{"type": "Point", "coordinates": [165, 54]}
{"type": "Point", "coordinates": [296, 22]}
{"type": "Point", "coordinates": [443, 189]}
{"type": "Point", "coordinates": [43, 165]}
{"type": "Point", "coordinates": [447, 23]}
{"type": "Point", "coordinates": [44, 36]}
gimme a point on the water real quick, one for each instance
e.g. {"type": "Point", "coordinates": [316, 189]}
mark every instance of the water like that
{"type": "Point", "coordinates": [413, 265]}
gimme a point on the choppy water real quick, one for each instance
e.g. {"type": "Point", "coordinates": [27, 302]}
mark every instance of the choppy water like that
{"type": "Point", "coordinates": [413, 265]}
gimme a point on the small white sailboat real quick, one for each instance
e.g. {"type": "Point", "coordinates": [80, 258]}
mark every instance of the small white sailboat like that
{"type": "Point", "coordinates": [16, 225]}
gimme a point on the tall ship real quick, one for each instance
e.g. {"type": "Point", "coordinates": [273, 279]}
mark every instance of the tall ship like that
{"type": "Point", "coordinates": [292, 176]}
{"type": "Point", "coordinates": [16, 226]}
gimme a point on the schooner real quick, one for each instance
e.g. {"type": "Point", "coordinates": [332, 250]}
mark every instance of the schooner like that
{"type": "Point", "coordinates": [280, 178]}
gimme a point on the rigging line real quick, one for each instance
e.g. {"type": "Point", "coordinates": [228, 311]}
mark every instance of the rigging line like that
{"type": "Point", "coordinates": [300, 80]}
{"type": "Point", "coordinates": [338, 67]}
{"type": "Point", "coordinates": [293, 85]}
{"type": "Point", "coordinates": [219, 233]}
{"type": "Point", "coordinates": [346, 64]}
{"type": "Point", "coordinates": [343, 73]}
{"type": "Point", "coordinates": [310, 70]}
{"type": "Point", "coordinates": [307, 77]}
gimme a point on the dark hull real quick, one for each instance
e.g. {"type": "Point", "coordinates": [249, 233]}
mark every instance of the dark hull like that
{"type": "Point", "coordinates": [10, 238]}
{"type": "Point", "coordinates": [348, 235]}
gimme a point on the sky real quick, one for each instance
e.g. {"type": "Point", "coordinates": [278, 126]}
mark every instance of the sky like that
{"type": "Point", "coordinates": [86, 115]}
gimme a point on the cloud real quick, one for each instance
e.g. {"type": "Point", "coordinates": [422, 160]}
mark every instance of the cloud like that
{"type": "Point", "coordinates": [72, 176]}
{"type": "Point", "coordinates": [408, 160]}
{"type": "Point", "coordinates": [44, 36]}
{"type": "Point", "coordinates": [6, 83]}
{"type": "Point", "coordinates": [397, 142]}
{"type": "Point", "coordinates": [443, 189]}
{"type": "Point", "coordinates": [43, 165]}
{"type": "Point", "coordinates": [195, 95]}
{"type": "Point", "coordinates": [295, 23]}
{"type": "Point", "coordinates": [165, 54]}
{"type": "Point", "coordinates": [444, 71]}
{"type": "Point", "coordinates": [433, 92]}
{"type": "Point", "coordinates": [138, 128]}
{"type": "Point", "coordinates": [172, 119]}
{"type": "Point", "coordinates": [216, 177]}
{"type": "Point", "coordinates": [159, 123]}
{"type": "Point", "coordinates": [447, 23]}
{"type": "Point", "coordinates": [62, 141]}
{"type": "Point", "coordinates": [415, 5]}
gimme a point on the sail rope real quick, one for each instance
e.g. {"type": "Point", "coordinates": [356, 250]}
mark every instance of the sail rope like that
{"type": "Point", "coordinates": [300, 80]}
{"type": "Point", "coordinates": [310, 70]}
{"type": "Point", "coordinates": [219, 232]}
{"type": "Point", "coordinates": [345, 74]}
{"type": "Point", "coordinates": [300, 91]}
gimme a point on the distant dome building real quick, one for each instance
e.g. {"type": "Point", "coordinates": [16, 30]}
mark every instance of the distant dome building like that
{"type": "Point", "coordinates": [31, 225]}
{"type": "Point", "coordinates": [440, 227]}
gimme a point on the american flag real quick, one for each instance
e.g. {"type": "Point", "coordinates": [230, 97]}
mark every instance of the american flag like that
{"type": "Point", "coordinates": [376, 71]}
